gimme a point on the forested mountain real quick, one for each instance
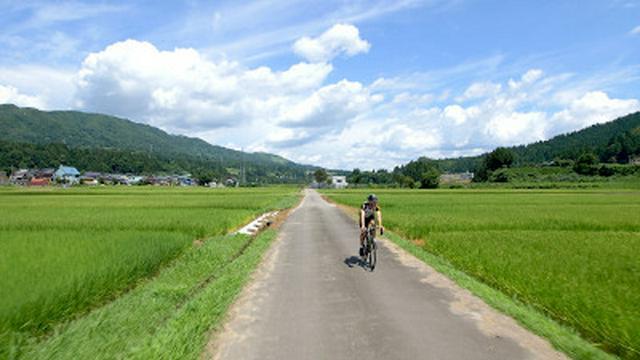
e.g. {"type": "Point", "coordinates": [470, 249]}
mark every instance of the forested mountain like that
{"type": "Point", "coordinates": [110, 140]}
{"type": "Point", "coordinates": [607, 141]}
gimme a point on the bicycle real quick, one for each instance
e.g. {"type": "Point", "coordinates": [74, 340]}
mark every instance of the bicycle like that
{"type": "Point", "coordinates": [370, 255]}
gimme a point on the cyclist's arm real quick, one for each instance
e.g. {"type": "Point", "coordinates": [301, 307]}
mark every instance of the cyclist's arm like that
{"type": "Point", "coordinates": [380, 218]}
{"type": "Point", "coordinates": [361, 217]}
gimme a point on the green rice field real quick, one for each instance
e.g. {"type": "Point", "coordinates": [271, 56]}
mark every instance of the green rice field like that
{"type": "Point", "coordinates": [574, 255]}
{"type": "Point", "coordinates": [64, 252]}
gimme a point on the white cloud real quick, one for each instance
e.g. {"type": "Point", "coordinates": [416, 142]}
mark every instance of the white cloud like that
{"type": "Point", "coordinates": [11, 95]}
{"type": "Point", "coordinates": [516, 127]}
{"type": "Point", "coordinates": [182, 90]}
{"type": "Point", "coordinates": [53, 87]}
{"type": "Point", "coordinates": [298, 113]}
{"type": "Point", "coordinates": [331, 105]}
{"type": "Point", "coordinates": [480, 90]}
{"type": "Point", "coordinates": [527, 78]}
{"type": "Point", "coordinates": [339, 39]}
{"type": "Point", "coordinates": [594, 107]}
{"type": "Point", "coordinates": [635, 31]}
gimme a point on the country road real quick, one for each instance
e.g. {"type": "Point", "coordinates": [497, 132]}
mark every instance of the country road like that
{"type": "Point", "coordinates": [310, 299]}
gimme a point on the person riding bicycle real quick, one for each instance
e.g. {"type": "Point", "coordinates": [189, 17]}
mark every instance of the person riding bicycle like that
{"type": "Point", "coordinates": [368, 212]}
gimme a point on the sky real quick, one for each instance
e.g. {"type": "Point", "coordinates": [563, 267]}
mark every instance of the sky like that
{"type": "Point", "coordinates": [340, 84]}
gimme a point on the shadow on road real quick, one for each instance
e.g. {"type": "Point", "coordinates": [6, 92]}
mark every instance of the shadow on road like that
{"type": "Point", "coordinates": [354, 261]}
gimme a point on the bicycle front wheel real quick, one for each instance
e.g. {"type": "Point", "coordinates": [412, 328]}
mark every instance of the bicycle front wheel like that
{"type": "Point", "coordinates": [372, 256]}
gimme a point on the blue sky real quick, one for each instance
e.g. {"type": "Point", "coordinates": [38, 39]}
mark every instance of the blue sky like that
{"type": "Point", "coordinates": [340, 84]}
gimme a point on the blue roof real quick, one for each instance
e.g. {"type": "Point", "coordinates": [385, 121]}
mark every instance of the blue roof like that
{"type": "Point", "coordinates": [68, 170]}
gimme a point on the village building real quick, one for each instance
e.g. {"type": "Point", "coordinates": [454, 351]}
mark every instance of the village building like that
{"type": "Point", "coordinates": [91, 175]}
{"type": "Point", "coordinates": [456, 178]}
{"type": "Point", "coordinates": [339, 182]}
{"type": "Point", "coordinates": [47, 173]}
{"type": "Point", "coordinates": [67, 175]}
{"type": "Point", "coordinates": [85, 180]}
{"type": "Point", "coordinates": [20, 177]}
{"type": "Point", "coordinates": [36, 181]}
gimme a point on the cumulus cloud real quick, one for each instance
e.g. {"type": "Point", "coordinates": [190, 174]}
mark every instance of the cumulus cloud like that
{"type": "Point", "coordinates": [11, 95]}
{"type": "Point", "coordinates": [594, 107]}
{"type": "Point", "coordinates": [53, 88]}
{"type": "Point", "coordinates": [339, 39]}
{"type": "Point", "coordinates": [297, 113]}
{"type": "Point", "coordinates": [181, 89]}
{"type": "Point", "coordinates": [330, 105]}
{"type": "Point", "coordinates": [510, 113]}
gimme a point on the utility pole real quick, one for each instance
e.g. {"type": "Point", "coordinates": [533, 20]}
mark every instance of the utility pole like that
{"type": "Point", "coordinates": [244, 174]}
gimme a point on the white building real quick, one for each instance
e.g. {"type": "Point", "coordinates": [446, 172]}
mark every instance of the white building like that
{"type": "Point", "coordinates": [339, 182]}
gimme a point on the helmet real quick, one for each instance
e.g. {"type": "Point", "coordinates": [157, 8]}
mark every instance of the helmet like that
{"type": "Point", "coordinates": [372, 198]}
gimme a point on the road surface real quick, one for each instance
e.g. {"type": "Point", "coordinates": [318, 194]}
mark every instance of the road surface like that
{"type": "Point", "coordinates": [311, 299]}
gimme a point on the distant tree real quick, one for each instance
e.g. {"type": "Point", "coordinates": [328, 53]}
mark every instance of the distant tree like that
{"type": "Point", "coordinates": [587, 164]}
{"type": "Point", "coordinates": [430, 179]}
{"type": "Point", "coordinates": [203, 176]}
{"type": "Point", "coordinates": [500, 175]}
{"type": "Point", "coordinates": [354, 177]}
{"type": "Point", "coordinates": [606, 171]}
{"type": "Point", "coordinates": [499, 158]}
{"type": "Point", "coordinates": [321, 176]}
{"type": "Point", "coordinates": [481, 174]}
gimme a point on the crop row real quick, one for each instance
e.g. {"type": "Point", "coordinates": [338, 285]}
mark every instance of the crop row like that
{"type": "Point", "coordinates": [573, 255]}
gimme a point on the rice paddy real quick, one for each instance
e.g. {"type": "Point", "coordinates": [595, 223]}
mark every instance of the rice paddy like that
{"type": "Point", "coordinates": [571, 254]}
{"type": "Point", "coordinates": [66, 252]}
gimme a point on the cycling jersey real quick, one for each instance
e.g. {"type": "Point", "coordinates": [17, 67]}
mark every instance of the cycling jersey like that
{"type": "Point", "coordinates": [369, 212]}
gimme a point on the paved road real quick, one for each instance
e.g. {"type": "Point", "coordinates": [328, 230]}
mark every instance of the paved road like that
{"type": "Point", "coordinates": [312, 300]}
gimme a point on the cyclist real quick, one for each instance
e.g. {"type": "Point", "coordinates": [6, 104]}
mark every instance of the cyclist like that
{"type": "Point", "coordinates": [368, 212]}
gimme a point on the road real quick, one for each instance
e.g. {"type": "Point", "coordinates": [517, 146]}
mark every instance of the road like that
{"type": "Point", "coordinates": [311, 299]}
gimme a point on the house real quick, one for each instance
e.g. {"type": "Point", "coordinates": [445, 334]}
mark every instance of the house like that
{"type": "Point", "coordinates": [37, 181]}
{"type": "Point", "coordinates": [47, 173]}
{"type": "Point", "coordinates": [634, 160]}
{"type": "Point", "coordinates": [86, 180]}
{"type": "Point", "coordinates": [4, 179]}
{"type": "Point", "coordinates": [91, 175]}
{"type": "Point", "coordinates": [135, 180]}
{"type": "Point", "coordinates": [90, 178]}
{"type": "Point", "coordinates": [67, 175]}
{"type": "Point", "coordinates": [186, 181]}
{"type": "Point", "coordinates": [20, 177]}
{"type": "Point", "coordinates": [339, 182]}
{"type": "Point", "coordinates": [456, 178]}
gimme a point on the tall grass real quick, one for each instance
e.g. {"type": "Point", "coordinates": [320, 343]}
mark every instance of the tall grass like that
{"type": "Point", "coordinates": [571, 254]}
{"type": "Point", "coordinates": [63, 252]}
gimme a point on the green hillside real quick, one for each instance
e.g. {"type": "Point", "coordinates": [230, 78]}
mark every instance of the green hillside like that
{"type": "Point", "coordinates": [106, 136]}
{"type": "Point", "coordinates": [596, 139]}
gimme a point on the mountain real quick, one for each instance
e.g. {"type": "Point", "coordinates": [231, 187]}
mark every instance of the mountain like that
{"type": "Point", "coordinates": [599, 139]}
{"type": "Point", "coordinates": [105, 134]}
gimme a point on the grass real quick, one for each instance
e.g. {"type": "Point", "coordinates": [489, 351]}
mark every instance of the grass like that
{"type": "Point", "coordinates": [65, 253]}
{"type": "Point", "coordinates": [166, 318]}
{"type": "Point", "coordinates": [571, 255]}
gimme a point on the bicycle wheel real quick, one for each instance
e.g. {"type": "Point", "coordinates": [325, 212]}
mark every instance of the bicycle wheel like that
{"type": "Point", "coordinates": [372, 257]}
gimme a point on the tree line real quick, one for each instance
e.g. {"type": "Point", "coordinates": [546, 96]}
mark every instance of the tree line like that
{"type": "Point", "coordinates": [24, 155]}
